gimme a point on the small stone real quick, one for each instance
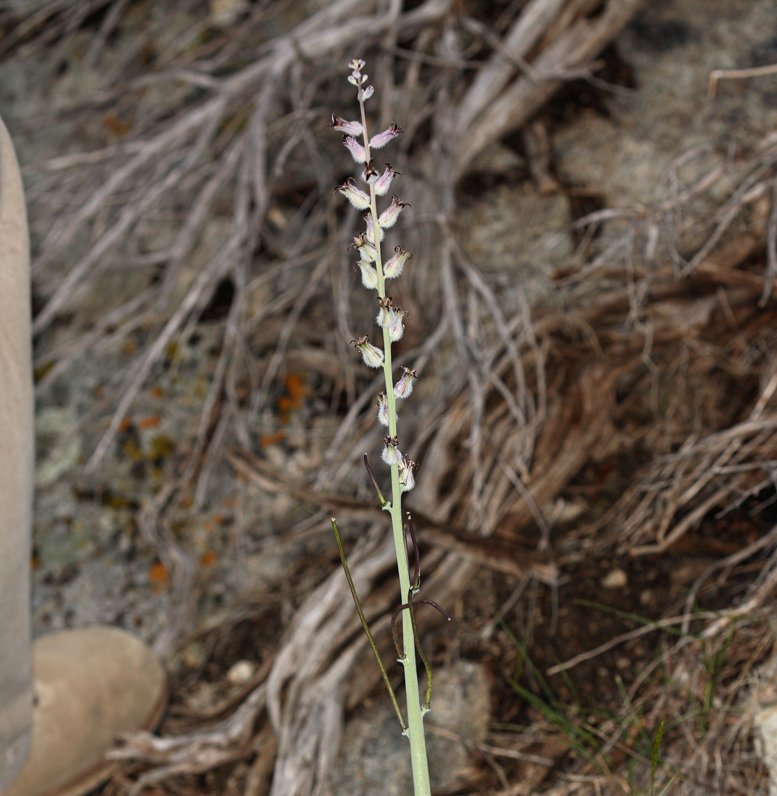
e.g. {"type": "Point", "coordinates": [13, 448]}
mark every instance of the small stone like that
{"type": "Point", "coordinates": [615, 579]}
{"type": "Point", "coordinates": [241, 672]}
{"type": "Point", "coordinates": [193, 655]}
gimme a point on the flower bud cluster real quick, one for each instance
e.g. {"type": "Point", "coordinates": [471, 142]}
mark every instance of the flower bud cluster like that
{"type": "Point", "coordinates": [374, 271]}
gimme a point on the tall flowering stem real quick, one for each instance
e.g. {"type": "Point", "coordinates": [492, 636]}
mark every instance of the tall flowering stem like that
{"type": "Point", "coordinates": [390, 318]}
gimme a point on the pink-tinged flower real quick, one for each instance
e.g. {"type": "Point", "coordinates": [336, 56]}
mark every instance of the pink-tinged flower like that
{"type": "Point", "coordinates": [367, 251]}
{"type": "Point", "coordinates": [356, 197]}
{"type": "Point", "coordinates": [391, 453]}
{"type": "Point", "coordinates": [387, 313]}
{"type": "Point", "coordinates": [355, 148]}
{"type": "Point", "coordinates": [369, 276]}
{"type": "Point", "coordinates": [371, 229]}
{"type": "Point", "coordinates": [356, 65]}
{"type": "Point", "coordinates": [404, 386]}
{"type": "Point", "coordinates": [367, 93]}
{"type": "Point", "coordinates": [381, 139]}
{"type": "Point", "coordinates": [351, 128]}
{"type": "Point", "coordinates": [393, 268]}
{"type": "Point", "coordinates": [397, 329]}
{"type": "Point", "coordinates": [383, 182]}
{"type": "Point", "coordinates": [406, 477]}
{"type": "Point", "coordinates": [383, 409]}
{"type": "Point", "coordinates": [372, 356]}
{"type": "Point", "coordinates": [390, 215]}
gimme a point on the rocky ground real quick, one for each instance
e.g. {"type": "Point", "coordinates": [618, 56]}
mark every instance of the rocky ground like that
{"type": "Point", "coordinates": [214, 572]}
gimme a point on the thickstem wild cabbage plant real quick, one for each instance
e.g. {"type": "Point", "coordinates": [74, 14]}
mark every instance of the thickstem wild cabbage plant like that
{"type": "Point", "coordinates": [390, 319]}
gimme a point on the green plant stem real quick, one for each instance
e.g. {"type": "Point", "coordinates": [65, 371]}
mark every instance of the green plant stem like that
{"type": "Point", "coordinates": [415, 730]}
{"type": "Point", "coordinates": [366, 627]}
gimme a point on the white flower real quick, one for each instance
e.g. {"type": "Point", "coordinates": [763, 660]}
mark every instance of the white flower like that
{"type": "Point", "coordinates": [367, 251]}
{"type": "Point", "coordinates": [387, 313]}
{"type": "Point", "coordinates": [351, 128]}
{"type": "Point", "coordinates": [393, 268]}
{"type": "Point", "coordinates": [383, 409]}
{"type": "Point", "coordinates": [358, 152]}
{"type": "Point", "coordinates": [381, 139]}
{"type": "Point", "coordinates": [372, 356]}
{"type": "Point", "coordinates": [406, 477]}
{"type": "Point", "coordinates": [391, 454]}
{"type": "Point", "coordinates": [383, 182]}
{"type": "Point", "coordinates": [390, 215]}
{"type": "Point", "coordinates": [371, 228]}
{"type": "Point", "coordinates": [357, 198]}
{"type": "Point", "coordinates": [369, 276]}
{"type": "Point", "coordinates": [404, 386]}
{"type": "Point", "coordinates": [397, 328]}
{"type": "Point", "coordinates": [370, 174]}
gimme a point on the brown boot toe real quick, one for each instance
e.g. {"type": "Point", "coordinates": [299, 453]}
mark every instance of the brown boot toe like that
{"type": "Point", "coordinates": [90, 685]}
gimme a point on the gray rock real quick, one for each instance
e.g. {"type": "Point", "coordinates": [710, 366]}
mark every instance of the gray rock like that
{"type": "Point", "coordinates": [375, 756]}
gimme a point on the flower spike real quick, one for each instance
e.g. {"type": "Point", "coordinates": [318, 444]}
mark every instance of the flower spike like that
{"type": "Point", "coordinates": [375, 270]}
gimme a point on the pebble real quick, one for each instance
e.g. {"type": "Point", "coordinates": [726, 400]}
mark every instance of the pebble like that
{"type": "Point", "coordinates": [614, 579]}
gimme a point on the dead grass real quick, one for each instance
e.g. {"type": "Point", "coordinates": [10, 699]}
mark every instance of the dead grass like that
{"type": "Point", "coordinates": [640, 393]}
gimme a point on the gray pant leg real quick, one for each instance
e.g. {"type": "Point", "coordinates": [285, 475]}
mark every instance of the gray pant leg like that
{"type": "Point", "coordinates": [16, 469]}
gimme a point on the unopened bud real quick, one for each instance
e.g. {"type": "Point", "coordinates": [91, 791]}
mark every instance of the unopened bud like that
{"type": "Point", "coordinates": [351, 128]}
{"type": "Point", "coordinates": [383, 182]}
{"type": "Point", "coordinates": [391, 453]}
{"type": "Point", "coordinates": [390, 215]}
{"type": "Point", "coordinates": [357, 198]}
{"type": "Point", "coordinates": [383, 409]}
{"type": "Point", "coordinates": [381, 139]}
{"type": "Point", "coordinates": [372, 356]}
{"type": "Point", "coordinates": [369, 276]}
{"type": "Point", "coordinates": [393, 268]}
{"type": "Point", "coordinates": [355, 148]}
{"type": "Point", "coordinates": [404, 386]}
{"type": "Point", "coordinates": [356, 65]}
